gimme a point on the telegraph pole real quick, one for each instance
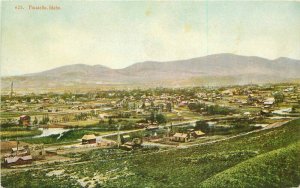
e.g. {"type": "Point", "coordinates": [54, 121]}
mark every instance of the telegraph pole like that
{"type": "Point", "coordinates": [119, 136]}
{"type": "Point", "coordinates": [17, 146]}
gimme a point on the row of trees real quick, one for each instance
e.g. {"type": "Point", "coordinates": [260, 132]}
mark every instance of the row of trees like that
{"type": "Point", "coordinates": [210, 109]}
{"type": "Point", "coordinates": [159, 118]}
{"type": "Point", "coordinates": [235, 128]}
{"type": "Point", "coordinates": [45, 120]}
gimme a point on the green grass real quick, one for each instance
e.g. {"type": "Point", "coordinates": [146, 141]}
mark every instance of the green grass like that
{"type": "Point", "coordinates": [10, 134]}
{"type": "Point", "coordinates": [278, 168]}
{"type": "Point", "coordinates": [269, 158]}
{"type": "Point", "coordinates": [7, 115]}
{"type": "Point", "coordinates": [86, 123]}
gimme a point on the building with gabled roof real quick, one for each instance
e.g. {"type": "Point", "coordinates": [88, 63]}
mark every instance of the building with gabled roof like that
{"type": "Point", "coordinates": [17, 160]}
{"type": "Point", "coordinates": [89, 139]}
{"type": "Point", "coordinates": [24, 120]}
{"type": "Point", "coordinates": [180, 137]}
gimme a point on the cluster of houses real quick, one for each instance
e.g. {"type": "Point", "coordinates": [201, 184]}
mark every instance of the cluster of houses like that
{"type": "Point", "coordinates": [133, 106]}
{"type": "Point", "coordinates": [125, 141]}
{"type": "Point", "coordinates": [24, 155]}
{"type": "Point", "coordinates": [186, 136]}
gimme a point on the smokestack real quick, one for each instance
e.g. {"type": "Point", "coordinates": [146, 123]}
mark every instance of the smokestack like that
{"type": "Point", "coordinates": [11, 89]}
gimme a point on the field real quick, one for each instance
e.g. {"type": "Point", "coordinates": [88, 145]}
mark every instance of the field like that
{"type": "Point", "coordinates": [88, 123]}
{"type": "Point", "coordinates": [18, 132]}
{"type": "Point", "coordinates": [269, 158]}
{"type": "Point", "coordinates": [8, 115]}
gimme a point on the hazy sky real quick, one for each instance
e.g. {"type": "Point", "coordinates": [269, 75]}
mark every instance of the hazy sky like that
{"type": "Point", "coordinates": [117, 34]}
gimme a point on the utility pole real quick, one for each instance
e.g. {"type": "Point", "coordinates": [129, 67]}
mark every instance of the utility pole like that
{"type": "Point", "coordinates": [119, 137]}
{"type": "Point", "coordinates": [17, 146]}
{"type": "Point", "coordinates": [168, 131]}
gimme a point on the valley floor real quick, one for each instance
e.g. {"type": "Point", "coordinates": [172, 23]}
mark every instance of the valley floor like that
{"type": "Point", "coordinates": [267, 158]}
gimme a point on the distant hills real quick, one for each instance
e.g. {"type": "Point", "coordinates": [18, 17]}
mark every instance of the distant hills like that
{"type": "Point", "coordinates": [218, 69]}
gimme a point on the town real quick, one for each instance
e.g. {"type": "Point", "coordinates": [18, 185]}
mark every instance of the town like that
{"type": "Point", "coordinates": [150, 94]}
{"type": "Point", "coordinates": [43, 128]}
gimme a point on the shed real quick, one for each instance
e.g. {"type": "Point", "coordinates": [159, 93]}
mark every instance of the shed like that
{"type": "Point", "coordinates": [269, 101]}
{"type": "Point", "coordinates": [19, 150]}
{"type": "Point", "coordinates": [197, 134]}
{"type": "Point", "coordinates": [125, 138]}
{"type": "Point", "coordinates": [89, 139]}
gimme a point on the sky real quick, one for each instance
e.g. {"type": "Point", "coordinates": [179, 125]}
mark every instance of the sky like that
{"type": "Point", "coordinates": [118, 34]}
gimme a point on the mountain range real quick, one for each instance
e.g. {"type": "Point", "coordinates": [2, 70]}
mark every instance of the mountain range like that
{"type": "Point", "coordinates": [217, 69]}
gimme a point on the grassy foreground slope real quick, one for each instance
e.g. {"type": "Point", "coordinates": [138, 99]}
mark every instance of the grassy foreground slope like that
{"type": "Point", "coordinates": [278, 168]}
{"type": "Point", "coordinates": [190, 167]}
{"type": "Point", "coordinates": [269, 158]}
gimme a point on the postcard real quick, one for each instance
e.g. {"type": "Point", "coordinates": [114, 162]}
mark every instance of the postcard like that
{"type": "Point", "coordinates": [150, 94]}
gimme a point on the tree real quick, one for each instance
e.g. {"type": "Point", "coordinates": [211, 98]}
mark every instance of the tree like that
{"type": "Point", "coordinates": [202, 125]}
{"type": "Point", "coordinates": [101, 121]}
{"type": "Point", "coordinates": [279, 97]}
{"type": "Point", "coordinates": [45, 119]}
{"type": "Point", "coordinates": [28, 99]}
{"type": "Point", "coordinates": [110, 121]}
{"type": "Point", "coordinates": [169, 107]}
{"type": "Point", "coordinates": [294, 109]}
{"type": "Point", "coordinates": [35, 121]}
{"type": "Point", "coordinates": [137, 141]}
{"type": "Point", "coordinates": [126, 105]}
{"type": "Point", "coordinates": [196, 106]}
{"type": "Point", "coordinates": [152, 117]}
{"type": "Point", "coordinates": [160, 118]}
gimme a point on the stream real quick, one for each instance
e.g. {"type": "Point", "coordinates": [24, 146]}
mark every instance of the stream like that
{"type": "Point", "coordinates": [51, 131]}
